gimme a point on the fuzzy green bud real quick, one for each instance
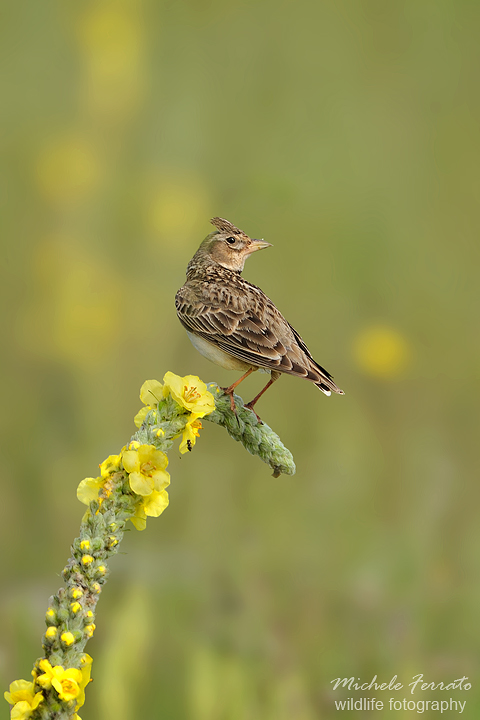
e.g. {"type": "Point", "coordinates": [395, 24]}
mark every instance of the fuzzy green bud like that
{"type": "Point", "coordinates": [51, 633]}
{"type": "Point", "coordinates": [67, 638]}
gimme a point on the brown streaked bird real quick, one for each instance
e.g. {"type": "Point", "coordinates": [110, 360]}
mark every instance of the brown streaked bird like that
{"type": "Point", "coordinates": [233, 323]}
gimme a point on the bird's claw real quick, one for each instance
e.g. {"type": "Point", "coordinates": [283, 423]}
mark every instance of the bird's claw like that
{"type": "Point", "coordinates": [259, 419]}
{"type": "Point", "coordinates": [233, 407]}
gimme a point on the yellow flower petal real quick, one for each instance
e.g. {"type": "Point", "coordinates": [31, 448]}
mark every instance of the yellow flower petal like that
{"type": "Point", "coordinates": [141, 415]}
{"type": "Point", "coordinates": [149, 454]}
{"type": "Point", "coordinates": [22, 710]}
{"type": "Point", "coordinates": [161, 479]}
{"type": "Point", "coordinates": [85, 670]}
{"type": "Point", "coordinates": [110, 465]}
{"type": "Point", "coordinates": [151, 392]}
{"type": "Point", "coordinates": [140, 484]}
{"type": "Point", "coordinates": [191, 393]}
{"type": "Point", "coordinates": [190, 434]}
{"type": "Point", "coordinates": [131, 461]}
{"type": "Point", "coordinates": [23, 698]}
{"type": "Point", "coordinates": [88, 490]}
{"type": "Point", "coordinates": [67, 684]}
{"type": "Point", "coordinates": [155, 503]}
{"type": "Point", "coordinates": [45, 680]}
{"type": "Point", "coordinates": [19, 690]}
{"type": "Point", "coordinates": [139, 520]}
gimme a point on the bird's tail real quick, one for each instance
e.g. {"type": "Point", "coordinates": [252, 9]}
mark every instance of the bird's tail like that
{"type": "Point", "coordinates": [325, 382]}
{"type": "Point", "coordinates": [327, 387]}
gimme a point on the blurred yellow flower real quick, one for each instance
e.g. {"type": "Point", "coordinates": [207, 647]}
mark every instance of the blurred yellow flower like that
{"type": "Point", "coordinates": [176, 206]}
{"type": "Point", "coordinates": [190, 433]}
{"type": "Point", "coordinates": [381, 351]}
{"type": "Point", "coordinates": [111, 41]}
{"type": "Point", "coordinates": [191, 393]}
{"type": "Point", "coordinates": [23, 698]}
{"type": "Point", "coordinates": [76, 313]}
{"type": "Point", "coordinates": [146, 469]}
{"type": "Point", "coordinates": [67, 169]}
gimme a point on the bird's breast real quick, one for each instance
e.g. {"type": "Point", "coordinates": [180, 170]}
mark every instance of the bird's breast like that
{"type": "Point", "coordinates": [216, 354]}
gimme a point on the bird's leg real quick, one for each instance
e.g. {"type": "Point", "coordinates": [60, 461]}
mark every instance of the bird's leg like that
{"type": "Point", "coordinates": [231, 388]}
{"type": "Point", "coordinates": [257, 397]}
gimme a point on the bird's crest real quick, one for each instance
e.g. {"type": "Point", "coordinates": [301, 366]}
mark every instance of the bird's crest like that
{"type": "Point", "coordinates": [226, 226]}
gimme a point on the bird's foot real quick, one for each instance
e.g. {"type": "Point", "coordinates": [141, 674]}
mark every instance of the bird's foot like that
{"type": "Point", "coordinates": [233, 407]}
{"type": "Point", "coordinates": [250, 407]}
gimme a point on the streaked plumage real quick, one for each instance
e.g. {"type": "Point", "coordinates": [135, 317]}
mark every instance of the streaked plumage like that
{"type": "Point", "coordinates": [233, 322]}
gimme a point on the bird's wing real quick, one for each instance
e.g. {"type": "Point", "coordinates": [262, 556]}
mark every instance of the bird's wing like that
{"type": "Point", "coordinates": [250, 328]}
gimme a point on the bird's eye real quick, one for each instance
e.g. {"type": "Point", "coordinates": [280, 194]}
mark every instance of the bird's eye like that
{"type": "Point", "coordinates": [231, 240]}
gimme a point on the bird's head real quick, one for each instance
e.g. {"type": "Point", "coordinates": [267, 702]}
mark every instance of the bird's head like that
{"type": "Point", "coordinates": [229, 246]}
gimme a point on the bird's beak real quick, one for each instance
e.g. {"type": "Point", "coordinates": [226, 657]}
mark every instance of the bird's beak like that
{"type": "Point", "coordinates": [257, 245]}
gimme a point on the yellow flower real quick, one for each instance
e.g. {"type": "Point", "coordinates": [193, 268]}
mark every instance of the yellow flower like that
{"type": "Point", "coordinates": [139, 520]}
{"type": "Point", "coordinates": [155, 503]}
{"type": "Point", "coordinates": [51, 632]}
{"type": "Point", "coordinates": [68, 169]}
{"type": "Point", "coordinates": [190, 433]}
{"type": "Point", "coordinates": [381, 351]}
{"type": "Point", "coordinates": [140, 416]}
{"type": "Point", "coordinates": [151, 393]}
{"type": "Point", "coordinates": [151, 505]}
{"type": "Point", "coordinates": [191, 393]}
{"type": "Point", "coordinates": [66, 682]}
{"type": "Point", "coordinates": [23, 698]}
{"type": "Point", "coordinates": [110, 465]}
{"type": "Point", "coordinates": [90, 629]}
{"type": "Point", "coordinates": [146, 469]}
{"type": "Point", "coordinates": [85, 670]}
{"type": "Point", "coordinates": [88, 490]}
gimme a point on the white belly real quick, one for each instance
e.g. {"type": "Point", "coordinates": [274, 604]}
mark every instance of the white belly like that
{"type": "Point", "coordinates": [216, 355]}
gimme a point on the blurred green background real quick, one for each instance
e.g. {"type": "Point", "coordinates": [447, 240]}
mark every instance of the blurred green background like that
{"type": "Point", "coordinates": [346, 134]}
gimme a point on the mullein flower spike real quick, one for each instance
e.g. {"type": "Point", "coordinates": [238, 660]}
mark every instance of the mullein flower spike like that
{"type": "Point", "coordinates": [131, 486]}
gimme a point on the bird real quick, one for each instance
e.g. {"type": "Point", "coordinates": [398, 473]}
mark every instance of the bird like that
{"type": "Point", "coordinates": [233, 323]}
